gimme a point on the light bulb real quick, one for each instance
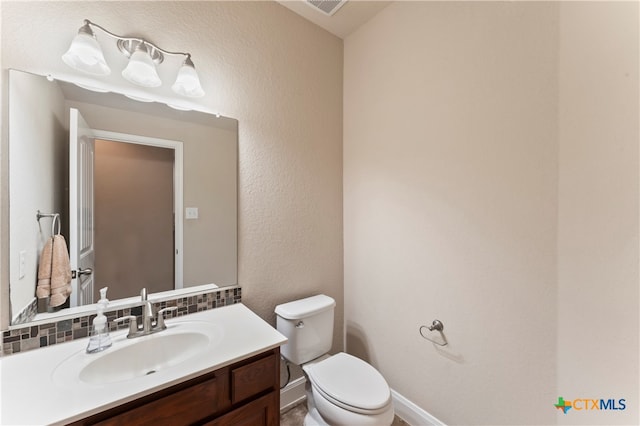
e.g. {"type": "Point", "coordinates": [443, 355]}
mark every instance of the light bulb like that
{"type": "Point", "coordinates": [187, 82]}
{"type": "Point", "coordinates": [85, 53]}
{"type": "Point", "coordinates": [141, 70]}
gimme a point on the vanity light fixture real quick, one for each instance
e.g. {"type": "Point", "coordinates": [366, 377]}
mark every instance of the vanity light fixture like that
{"type": "Point", "coordinates": [85, 55]}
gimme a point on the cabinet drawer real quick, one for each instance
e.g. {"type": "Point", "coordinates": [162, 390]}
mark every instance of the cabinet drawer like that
{"type": "Point", "coordinates": [184, 406]}
{"type": "Point", "coordinates": [263, 411]}
{"type": "Point", "coordinates": [253, 378]}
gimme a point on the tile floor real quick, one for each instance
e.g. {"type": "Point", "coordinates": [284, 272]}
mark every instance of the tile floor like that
{"type": "Point", "coordinates": [295, 417]}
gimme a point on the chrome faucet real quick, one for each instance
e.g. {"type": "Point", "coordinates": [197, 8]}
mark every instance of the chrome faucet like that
{"type": "Point", "coordinates": [149, 324]}
{"type": "Point", "coordinates": [147, 312]}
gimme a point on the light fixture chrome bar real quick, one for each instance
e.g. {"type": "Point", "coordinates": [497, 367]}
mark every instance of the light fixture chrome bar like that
{"type": "Point", "coordinates": [127, 45]}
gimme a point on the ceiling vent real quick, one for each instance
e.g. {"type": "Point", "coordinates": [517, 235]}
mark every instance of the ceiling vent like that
{"type": "Point", "coordinates": [328, 7]}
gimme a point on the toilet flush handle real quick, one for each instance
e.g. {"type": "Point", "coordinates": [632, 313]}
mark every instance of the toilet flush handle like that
{"type": "Point", "coordinates": [300, 324]}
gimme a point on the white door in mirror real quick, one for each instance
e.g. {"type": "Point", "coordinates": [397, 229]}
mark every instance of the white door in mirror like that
{"type": "Point", "coordinates": [81, 203]}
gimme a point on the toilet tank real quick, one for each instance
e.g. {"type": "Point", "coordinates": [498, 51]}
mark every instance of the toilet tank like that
{"type": "Point", "coordinates": [308, 324]}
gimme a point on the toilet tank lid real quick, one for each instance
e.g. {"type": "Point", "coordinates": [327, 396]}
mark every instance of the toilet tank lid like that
{"type": "Point", "coordinates": [306, 307]}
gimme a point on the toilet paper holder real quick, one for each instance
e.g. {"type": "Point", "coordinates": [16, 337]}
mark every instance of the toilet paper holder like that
{"type": "Point", "coordinates": [436, 325]}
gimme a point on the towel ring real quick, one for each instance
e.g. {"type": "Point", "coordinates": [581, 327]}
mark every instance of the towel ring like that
{"type": "Point", "coordinates": [436, 325]}
{"type": "Point", "coordinates": [54, 223]}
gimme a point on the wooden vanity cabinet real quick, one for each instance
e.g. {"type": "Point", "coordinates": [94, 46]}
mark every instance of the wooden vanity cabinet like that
{"type": "Point", "coordinates": [244, 393]}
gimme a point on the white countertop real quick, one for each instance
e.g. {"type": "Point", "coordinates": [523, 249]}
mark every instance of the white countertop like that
{"type": "Point", "coordinates": [30, 394]}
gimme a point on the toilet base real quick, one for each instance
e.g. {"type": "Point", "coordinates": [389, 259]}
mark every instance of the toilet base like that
{"type": "Point", "coordinates": [313, 417]}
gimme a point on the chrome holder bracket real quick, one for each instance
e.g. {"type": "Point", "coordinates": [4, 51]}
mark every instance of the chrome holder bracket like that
{"type": "Point", "coordinates": [436, 325]}
{"type": "Point", "coordinates": [129, 45]}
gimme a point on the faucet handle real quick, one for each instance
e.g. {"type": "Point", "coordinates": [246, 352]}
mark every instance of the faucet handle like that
{"type": "Point", "coordinates": [160, 322]}
{"type": "Point", "coordinates": [133, 324]}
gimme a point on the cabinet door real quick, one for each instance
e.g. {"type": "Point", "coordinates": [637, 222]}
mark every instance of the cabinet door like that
{"type": "Point", "coordinates": [254, 378]}
{"type": "Point", "coordinates": [186, 406]}
{"type": "Point", "coordinates": [264, 411]}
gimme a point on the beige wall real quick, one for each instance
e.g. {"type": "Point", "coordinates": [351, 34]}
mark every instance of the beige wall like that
{"type": "Point", "coordinates": [450, 174]}
{"type": "Point", "coordinates": [598, 209]}
{"type": "Point", "coordinates": [281, 77]}
{"type": "Point", "coordinates": [491, 181]}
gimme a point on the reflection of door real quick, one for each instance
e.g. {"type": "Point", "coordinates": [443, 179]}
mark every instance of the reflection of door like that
{"type": "Point", "coordinates": [134, 221]}
{"type": "Point", "coordinates": [132, 245]}
{"type": "Point", "coordinates": [81, 217]}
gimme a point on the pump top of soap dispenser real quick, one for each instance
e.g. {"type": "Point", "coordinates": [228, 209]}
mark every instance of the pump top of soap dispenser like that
{"type": "Point", "coordinates": [103, 302]}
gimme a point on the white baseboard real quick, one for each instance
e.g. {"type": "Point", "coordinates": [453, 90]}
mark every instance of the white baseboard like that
{"type": "Point", "coordinates": [293, 394]}
{"type": "Point", "coordinates": [411, 413]}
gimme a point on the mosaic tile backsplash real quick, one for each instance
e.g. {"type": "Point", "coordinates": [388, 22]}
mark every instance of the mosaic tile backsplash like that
{"type": "Point", "coordinates": [42, 335]}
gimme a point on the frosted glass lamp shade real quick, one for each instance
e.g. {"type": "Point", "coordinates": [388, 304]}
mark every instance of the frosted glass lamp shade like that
{"type": "Point", "coordinates": [85, 54]}
{"type": "Point", "coordinates": [187, 83]}
{"type": "Point", "coordinates": [141, 70]}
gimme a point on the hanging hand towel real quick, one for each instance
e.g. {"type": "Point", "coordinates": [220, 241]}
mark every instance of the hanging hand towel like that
{"type": "Point", "coordinates": [54, 272]}
{"type": "Point", "coordinates": [44, 271]}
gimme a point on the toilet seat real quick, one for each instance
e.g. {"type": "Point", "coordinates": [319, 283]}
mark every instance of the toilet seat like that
{"type": "Point", "coordinates": [350, 383]}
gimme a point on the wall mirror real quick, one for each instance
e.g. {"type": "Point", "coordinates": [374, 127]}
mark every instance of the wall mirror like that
{"type": "Point", "coordinates": [156, 209]}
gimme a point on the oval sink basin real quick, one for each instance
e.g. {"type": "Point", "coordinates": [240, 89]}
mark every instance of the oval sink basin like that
{"type": "Point", "coordinates": [143, 357]}
{"type": "Point", "coordinates": [129, 359]}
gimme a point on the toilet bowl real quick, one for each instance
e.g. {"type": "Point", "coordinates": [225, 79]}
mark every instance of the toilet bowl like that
{"type": "Point", "coordinates": [344, 390]}
{"type": "Point", "coordinates": [341, 389]}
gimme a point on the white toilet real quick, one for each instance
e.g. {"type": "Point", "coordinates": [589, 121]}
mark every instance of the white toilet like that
{"type": "Point", "coordinates": [344, 389]}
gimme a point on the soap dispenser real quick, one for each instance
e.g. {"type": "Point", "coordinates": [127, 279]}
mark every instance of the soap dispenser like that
{"type": "Point", "coordinates": [99, 339]}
